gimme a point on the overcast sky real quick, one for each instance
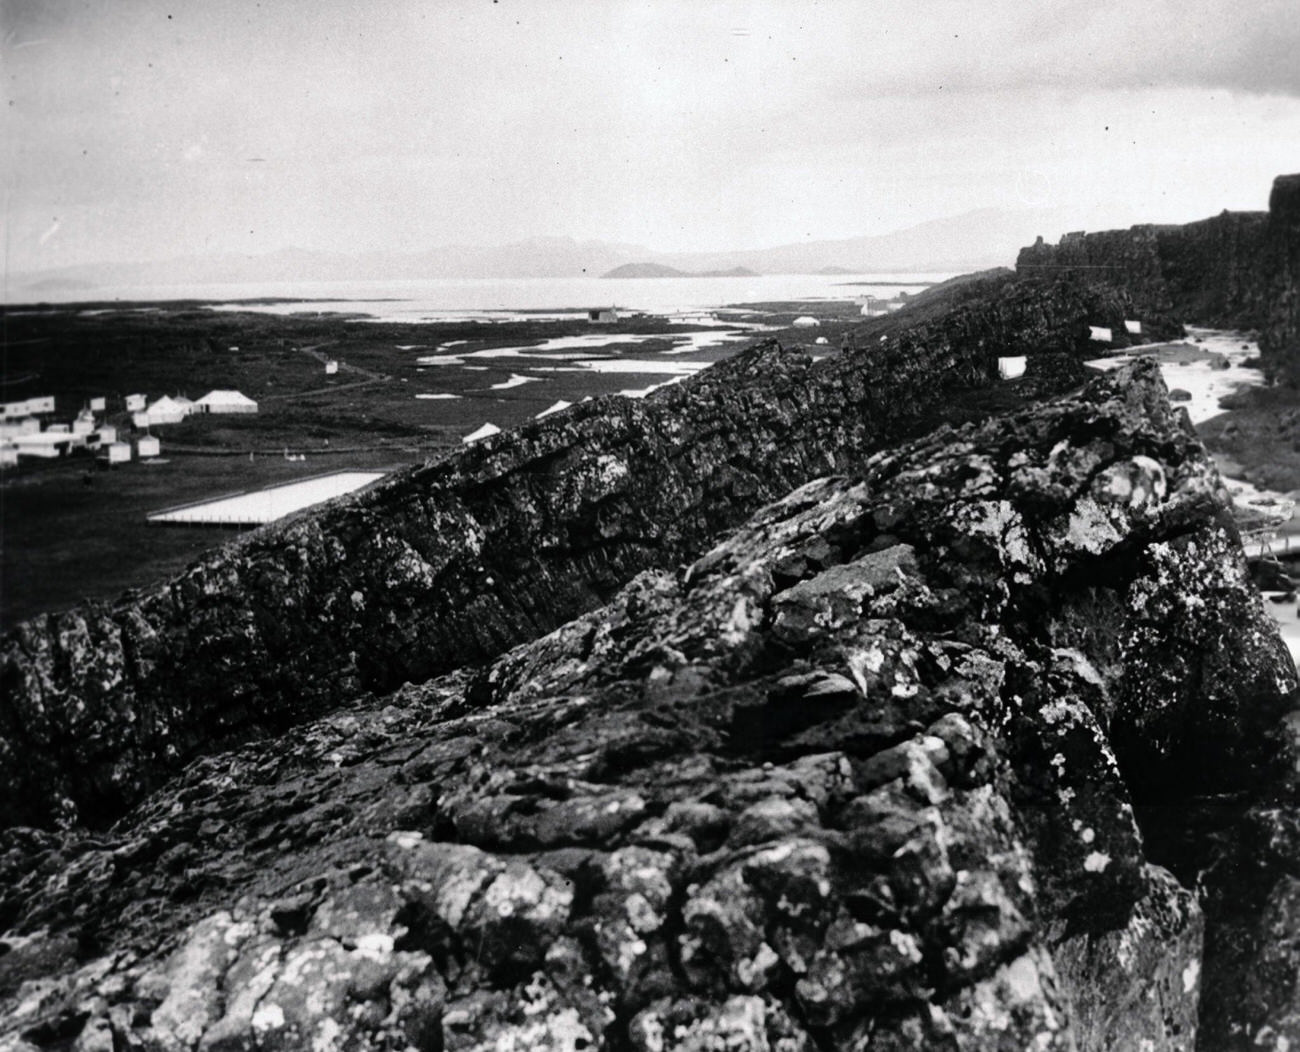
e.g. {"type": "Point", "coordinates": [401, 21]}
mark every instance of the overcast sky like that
{"type": "Point", "coordinates": [141, 130]}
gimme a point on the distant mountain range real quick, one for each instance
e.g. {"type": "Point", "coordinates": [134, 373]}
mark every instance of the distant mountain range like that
{"type": "Point", "coordinates": [983, 238]}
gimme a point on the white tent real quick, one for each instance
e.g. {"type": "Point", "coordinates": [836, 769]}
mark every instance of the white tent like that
{"type": "Point", "coordinates": [486, 431]}
{"type": "Point", "coordinates": [226, 402]}
{"type": "Point", "coordinates": [806, 322]}
{"type": "Point", "coordinates": [1099, 333]}
{"type": "Point", "coordinates": [165, 410]}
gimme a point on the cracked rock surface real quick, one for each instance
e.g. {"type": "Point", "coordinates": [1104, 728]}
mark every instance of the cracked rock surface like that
{"type": "Point", "coordinates": [984, 743]}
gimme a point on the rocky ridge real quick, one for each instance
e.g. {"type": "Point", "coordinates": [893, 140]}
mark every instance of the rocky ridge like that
{"type": "Point", "coordinates": [1237, 269]}
{"type": "Point", "coordinates": [453, 562]}
{"type": "Point", "coordinates": [929, 754]}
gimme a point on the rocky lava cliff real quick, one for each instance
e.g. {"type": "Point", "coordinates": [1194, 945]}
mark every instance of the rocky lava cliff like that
{"type": "Point", "coordinates": [986, 743]}
{"type": "Point", "coordinates": [1237, 269]}
{"type": "Point", "coordinates": [886, 706]}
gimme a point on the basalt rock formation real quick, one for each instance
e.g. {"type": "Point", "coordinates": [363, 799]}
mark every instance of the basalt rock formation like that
{"type": "Point", "coordinates": [456, 561]}
{"type": "Point", "coordinates": [1238, 269]}
{"type": "Point", "coordinates": [984, 742]}
{"type": "Point", "coordinates": [438, 567]}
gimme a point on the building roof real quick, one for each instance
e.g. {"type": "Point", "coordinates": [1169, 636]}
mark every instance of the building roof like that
{"type": "Point", "coordinates": [167, 404]}
{"type": "Point", "coordinates": [218, 397]}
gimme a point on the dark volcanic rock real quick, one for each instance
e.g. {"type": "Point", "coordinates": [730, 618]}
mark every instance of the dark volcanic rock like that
{"type": "Point", "coordinates": [440, 566]}
{"type": "Point", "coordinates": [1047, 319]}
{"type": "Point", "coordinates": [1237, 269]}
{"type": "Point", "coordinates": [904, 762]}
{"type": "Point", "coordinates": [1279, 342]}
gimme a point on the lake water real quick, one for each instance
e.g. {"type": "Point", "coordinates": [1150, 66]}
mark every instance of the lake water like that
{"type": "Point", "coordinates": [441, 299]}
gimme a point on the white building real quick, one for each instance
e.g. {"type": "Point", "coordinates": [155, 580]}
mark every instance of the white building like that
{"type": "Point", "coordinates": [28, 425]}
{"type": "Point", "coordinates": [8, 456]}
{"type": "Point", "coordinates": [225, 402]}
{"type": "Point", "coordinates": [135, 403]}
{"type": "Point", "coordinates": [44, 444]}
{"type": "Point", "coordinates": [147, 446]}
{"type": "Point", "coordinates": [27, 407]}
{"type": "Point", "coordinates": [98, 405]}
{"type": "Point", "coordinates": [603, 316]}
{"type": "Point", "coordinates": [107, 433]}
{"type": "Point", "coordinates": [331, 367]}
{"type": "Point", "coordinates": [117, 452]}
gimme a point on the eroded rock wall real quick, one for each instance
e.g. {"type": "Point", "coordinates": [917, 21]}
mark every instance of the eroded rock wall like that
{"type": "Point", "coordinates": [870, 773]}
{"type": "Point", "coordinates": [1279, 340]}
{"type": "Point", "coordinates": [441, 566]}
{"type": "Point", "coordinates": [1237, 269]}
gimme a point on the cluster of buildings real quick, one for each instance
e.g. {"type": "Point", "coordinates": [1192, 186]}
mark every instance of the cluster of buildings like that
{"type": "Point", "coordinates": [28, 427]}
{"type": "Point", "coordinates": [875, 306]}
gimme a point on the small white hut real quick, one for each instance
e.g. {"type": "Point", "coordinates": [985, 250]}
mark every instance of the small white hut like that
{"type": "Point", "coordinates": [118, 452]}
{"type": "Point", "coordinates": [148, 446]}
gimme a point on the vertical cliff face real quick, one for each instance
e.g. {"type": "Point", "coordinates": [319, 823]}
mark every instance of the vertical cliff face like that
{"type": "Point", "coordinates": [898, 763]}
{"type": "Point", "coordinates": [1124, 259]}
{"type": "Point", "coordinates": [1235, 269]}
{"type": "Point", "coordinates": [1216, 271]}
{"type": "Point", "coordinates": [1279, 341]}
